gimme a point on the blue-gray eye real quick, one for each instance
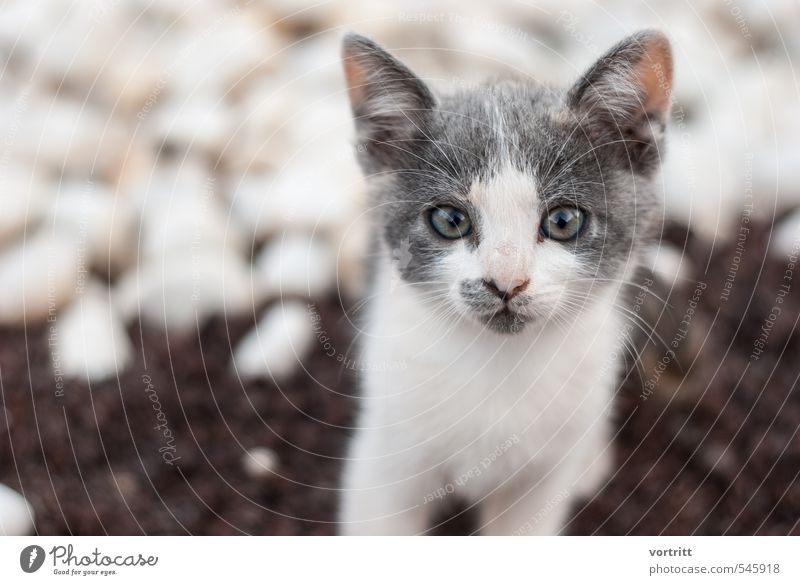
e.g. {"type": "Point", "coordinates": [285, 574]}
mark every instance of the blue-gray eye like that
{"type": "Point", "coordinates": [563, 223]}
{"type": "Point", "coordinates": [450, 222]}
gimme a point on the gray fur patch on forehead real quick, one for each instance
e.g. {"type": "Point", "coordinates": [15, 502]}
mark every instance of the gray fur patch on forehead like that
{"type": "Point", "coordinates": [480, 130]}
{"type": "Point", "coordinates": [473, 135]}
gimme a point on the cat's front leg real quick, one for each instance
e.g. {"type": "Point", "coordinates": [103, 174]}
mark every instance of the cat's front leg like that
{"type": "Point", "coordinates": [382, 493]}
{"type": "Point", "coordinates": [537, 509]}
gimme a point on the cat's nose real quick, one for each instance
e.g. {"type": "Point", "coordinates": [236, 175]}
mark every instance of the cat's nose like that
{"type": "Point", "coordinates": [506, 290]}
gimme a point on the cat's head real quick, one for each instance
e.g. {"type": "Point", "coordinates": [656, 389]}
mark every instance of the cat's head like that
{"type": "Point", "coordinates": [513, 202]}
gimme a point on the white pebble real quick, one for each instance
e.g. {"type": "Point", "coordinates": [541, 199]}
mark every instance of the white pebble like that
{"type": "Point", "coordinates": [248, 205]}
{"type": "Point", "coordinates": [277, 344]}
{"type": "Point", "coordinates": [316, 191]}
{"type": "Point", "coordinates": [184, 223]}
{"type": "Point", "coordinates": [218, 53]}
{"type": "Point", "coordinates": [495, 47]}
{"type": "Point", "coordinates": [39, 275]}
{"type": "Point", "coordinates": [203, 122]}
{"type": "Point", "coordinates": [181, 289]}
{"type": "Point", "coordinates": [776, 176]}
{"type": "Point", "coordinates": [264, 128]}
{"type": "Point", "coordinates": [16, 516]}
{"type": "Point", "coordinates": [260, 462]}
{"type": "Point", "coordinates": [134, 82]}
{"type": "Point", "coordinates": [180, 210]}
{"type": "Point", "coordinates": [296, 264]}
{"type": "Point", "coordinates": [321, 130]}
{"type": "Point", "coordinates": [786, 236]}
{"type": "Point", "coordinates": [64, 136]}
{"type": "Point", "coordinates": [91, 340]}
{"type": "Point", "coordinates": [79, 41]}
{"type": "Point", "coordinates": [667, 262]}
{"type": "Point", "coordinates": [319, 55]}
{"type": "Point", "coordinates": [703, 194]}
{"type": "Point", "coordinates": [22, 199]}
{"type": "Point", "coordinates": [153, 187]}
{"type": "Point", "coordinates": [100, 223]}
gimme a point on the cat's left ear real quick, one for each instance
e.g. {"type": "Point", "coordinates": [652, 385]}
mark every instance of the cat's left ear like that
{"type": "Point", "coordinates": [390, 104]}
{"type": "Point", "coordinates": [625, 95]}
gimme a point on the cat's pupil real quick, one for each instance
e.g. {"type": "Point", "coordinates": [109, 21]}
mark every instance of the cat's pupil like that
{"type": "Point", "coordinates": [563, 224]}
{"type": "Point", "coordinates": [449, 222]}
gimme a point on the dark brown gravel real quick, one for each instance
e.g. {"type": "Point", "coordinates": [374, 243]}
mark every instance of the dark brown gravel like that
{"type": "Point", "coordinates": [714, 450]}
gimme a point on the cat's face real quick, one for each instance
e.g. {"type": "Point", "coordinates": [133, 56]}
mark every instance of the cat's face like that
{"type": "Point", "coordinates": [513, 203]}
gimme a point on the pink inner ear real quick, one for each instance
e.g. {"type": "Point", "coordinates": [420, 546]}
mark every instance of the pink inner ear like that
{"type": "Point", "coordinates": [654, 74]}
{"type": "Point", "coordinates": [356, 79]}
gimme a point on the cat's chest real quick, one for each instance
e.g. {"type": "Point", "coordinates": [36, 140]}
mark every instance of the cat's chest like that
{"type": "Point", "coordinates": [457, 375]}
{"type": "Point", "coordinates": [525, 382]}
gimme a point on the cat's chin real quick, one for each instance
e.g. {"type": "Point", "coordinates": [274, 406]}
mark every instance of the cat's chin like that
{"type": "Point", "coordinates": [504, 321]}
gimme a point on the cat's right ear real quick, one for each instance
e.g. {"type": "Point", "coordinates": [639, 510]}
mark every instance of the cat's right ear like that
{"type": "Point", "coordinates": [625, 96]}
{"type": "Point", "coordinates": [390, 104]}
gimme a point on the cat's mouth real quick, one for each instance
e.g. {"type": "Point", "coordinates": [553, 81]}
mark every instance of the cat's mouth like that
{"type": "Point", "coordinates": [505, 320]}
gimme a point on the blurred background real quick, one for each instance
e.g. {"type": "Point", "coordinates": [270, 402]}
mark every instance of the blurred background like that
{"type": "Point", "coordinates": [182, 243]}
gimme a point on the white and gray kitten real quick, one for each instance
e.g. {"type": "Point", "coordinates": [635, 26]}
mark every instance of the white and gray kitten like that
{"type": "Point", "coordinates": [519, 213]}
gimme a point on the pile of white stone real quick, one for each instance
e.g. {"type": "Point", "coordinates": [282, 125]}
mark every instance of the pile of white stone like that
{"type": "Point", "coordinates": [196, 155]}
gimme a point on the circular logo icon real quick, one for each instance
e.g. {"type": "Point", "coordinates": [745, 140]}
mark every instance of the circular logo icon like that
{"type": "Point", "coordinates": [31, 558]}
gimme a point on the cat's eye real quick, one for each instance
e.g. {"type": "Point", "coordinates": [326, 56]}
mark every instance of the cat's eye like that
{"type": "Point", "coordinates": [563, 223]}
{"type": "Point", "coordinates": [450, 222]}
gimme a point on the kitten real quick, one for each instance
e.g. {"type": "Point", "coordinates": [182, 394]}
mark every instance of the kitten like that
{"type": "Point", "coordinates": [519, 212]}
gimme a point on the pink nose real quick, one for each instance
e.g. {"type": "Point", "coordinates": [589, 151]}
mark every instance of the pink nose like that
{"type": "Point", "coordinates": [506, 290]}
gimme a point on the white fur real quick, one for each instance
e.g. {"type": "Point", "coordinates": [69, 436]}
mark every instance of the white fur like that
{"type": "Point", "coordinates": [460, 392]}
